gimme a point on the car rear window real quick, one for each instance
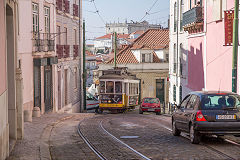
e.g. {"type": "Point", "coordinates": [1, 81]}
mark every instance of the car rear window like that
{"type": "Point", "coordinates": [151, 100]}
{"type": "Point", "coordinates": [220, 101]}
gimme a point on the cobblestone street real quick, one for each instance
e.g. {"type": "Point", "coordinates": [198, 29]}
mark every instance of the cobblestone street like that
{"type": "Point", "coordinates": [114, 136]}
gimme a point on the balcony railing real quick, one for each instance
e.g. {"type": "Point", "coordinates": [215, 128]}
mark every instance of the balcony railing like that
{"type": "Point", "coordinates": [43, 42]}
{"type": "Point", "coordinates": [59, 51]}
{"type": "Point", "coordinates": [75, 10]}
{"type": "Point", "coordinates": [66, 51]}
{"type": "Point", "coordinates": [193, 20]}
{"type": "Point", "coordinates": [75, 50]}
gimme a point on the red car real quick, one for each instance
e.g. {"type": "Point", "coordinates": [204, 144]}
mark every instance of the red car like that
{"type": "Point", "coordinates": [150, 105]}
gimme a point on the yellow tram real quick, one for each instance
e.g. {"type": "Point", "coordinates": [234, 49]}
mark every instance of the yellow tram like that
{"type": "Point", "coordinates": [119, 90]}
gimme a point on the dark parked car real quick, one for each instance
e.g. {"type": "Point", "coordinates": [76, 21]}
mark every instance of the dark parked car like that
{"type": "Point", "coordinates": [212, 113]}
{"type": "Point", "coordinates": [150, 105]}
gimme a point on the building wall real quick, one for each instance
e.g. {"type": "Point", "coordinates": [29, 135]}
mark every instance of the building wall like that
{"type": "Point", "coordinates": [4, 129]}
{"type": "Point", "coordinates": [219, 57]}
{"type": "Point", "coordinates": [148, 83]}
{"type": "Point", "coordinates": [66, 20]}
{"type": "Point", "coordinates": [180, 38]}
{"type": "Point", "coordinates": [2, 48]}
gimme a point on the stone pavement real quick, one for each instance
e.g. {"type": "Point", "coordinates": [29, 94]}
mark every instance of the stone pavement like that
{"type": "Point", "coordinates": [35, 145]}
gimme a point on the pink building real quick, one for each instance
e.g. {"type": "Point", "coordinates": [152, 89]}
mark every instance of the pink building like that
{"type": "Point", "coordinates": [209, 61]}
{"type": "Point", "coordinates": [11, 112]}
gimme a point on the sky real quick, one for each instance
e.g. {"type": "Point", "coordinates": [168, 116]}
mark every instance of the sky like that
{"type": "Point", "coordinates": [120, 11]}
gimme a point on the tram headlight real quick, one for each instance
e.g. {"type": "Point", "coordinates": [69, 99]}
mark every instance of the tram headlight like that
{"type": "Point", "coordinates": [109, 101]}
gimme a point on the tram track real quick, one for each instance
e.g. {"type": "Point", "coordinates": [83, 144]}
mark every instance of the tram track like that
{"type": "Point", "coordinates": [100, 154]}
{"type": "Point", "coordinates": [90, 145]}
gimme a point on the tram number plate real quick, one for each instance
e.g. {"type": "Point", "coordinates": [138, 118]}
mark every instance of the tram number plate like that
{"type": "Point", "coordinates": [225, 116]}
{"type": "Point", "coordinates": [151, 109]}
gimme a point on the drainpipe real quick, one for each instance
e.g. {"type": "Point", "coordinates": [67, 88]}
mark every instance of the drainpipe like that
{"type": "Point", "coordinates": [235, 47]}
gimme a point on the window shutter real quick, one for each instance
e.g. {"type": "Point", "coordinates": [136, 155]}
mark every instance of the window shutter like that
{"type": "Point", "coordinates": [74, 9]}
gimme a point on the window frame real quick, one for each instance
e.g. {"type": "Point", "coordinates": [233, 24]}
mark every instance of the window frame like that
{"type": "Point", "coordinates": [35, 17]}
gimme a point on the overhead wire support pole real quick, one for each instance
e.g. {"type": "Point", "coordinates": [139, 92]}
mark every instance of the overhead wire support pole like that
{"type": "Point", "coordinates": [80, 55]}
{"type": "Point", "coordinates": [115, 49]}
{"type": "Point", "coordinates": [84, 68]}
{"type": "Point", "coordinates": [235, 47]}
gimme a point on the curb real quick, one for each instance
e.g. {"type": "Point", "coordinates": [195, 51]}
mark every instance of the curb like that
{"type": "Point", "coordinates": [44, 147]}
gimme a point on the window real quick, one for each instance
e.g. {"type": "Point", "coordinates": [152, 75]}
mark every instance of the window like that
{"type": "Point", "coordinates": [66, 34]}
{"type": "Point", "coordinates": [93, 64]}
{"type": "Point", "coordinates": [185, 101]}
{"type": "Point", "coordinates": [181, 15]}
{"type": "Point", "coordinates": [191, 102]}
{"type": "Point", "coordinates": [76, 77]}
{"type": "Point", "coordinates": [47, 19]}
{"type": "Point", "coordinates": [174, 93]}
{"type": "Point", "coordinates": [190, 4]}
{"type": "Point", "coordinates": [181, 58]}
{"type": "Point", "coordinates": [167, 57]}
{"type": "Point", "coordinates": [102, 87]}
{"type": "Point", "coordinates": [58, 35]}
{"type": "Point", "coordinates": [75, 36]}
{"type": "Point", "coordinates": [175, 16]}
{"type": "Point", "coordinates": [118, 87]}
{"type": "Point", "coordinates": [180, 93]}
{"type": "Point", "coordinates": [110, 87]}
{"type": "Point", "coordinates": [35, 17]}
{"type": "Point", "coordinates": [147, 58]}
{"type": "Point", "coordinates": [174, 58]}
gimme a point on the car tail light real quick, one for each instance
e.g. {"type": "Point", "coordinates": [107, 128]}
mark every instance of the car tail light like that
{"type": "Point", "coordinates": [200, 117]}
{"type": "Point", "coordinates": [120, 102]}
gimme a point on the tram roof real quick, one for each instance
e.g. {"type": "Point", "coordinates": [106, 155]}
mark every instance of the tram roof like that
{"type": "Point", "coordinates": [118, 73]}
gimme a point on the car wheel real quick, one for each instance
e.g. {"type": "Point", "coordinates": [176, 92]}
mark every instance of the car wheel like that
{"type": "Point", "coordinates": [158, 113]}
{"type": "Point", "coordinates": [194, 135]}
{"type": "Point", "coordinates": [175, 131]}
{"type": "Point", "coordinates": [140, 111]}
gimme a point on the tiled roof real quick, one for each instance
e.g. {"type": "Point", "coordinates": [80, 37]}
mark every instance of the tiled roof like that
{"type": "Point", "coordinates": [108, 36]}
{"type": "Point", "coordinates": [152, 39]}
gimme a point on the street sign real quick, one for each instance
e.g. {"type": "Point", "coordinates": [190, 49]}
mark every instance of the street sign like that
{"type": "Point", "coordinates": [228, 21]}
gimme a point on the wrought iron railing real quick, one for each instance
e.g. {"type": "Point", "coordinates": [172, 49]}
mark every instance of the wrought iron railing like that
{"type": "Point", "coordinates": [193, 15]}
{"type": "Point", "coordinates": [43, 42]}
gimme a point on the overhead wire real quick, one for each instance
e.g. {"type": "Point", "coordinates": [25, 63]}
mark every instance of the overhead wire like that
{"type": "Point", "coordinates": [97, 11]}
{"type": "Point", "coordinates": [147, 13]}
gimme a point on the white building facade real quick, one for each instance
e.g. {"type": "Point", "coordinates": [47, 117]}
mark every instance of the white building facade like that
{"type": "Point", "coordinates": [178, 53]}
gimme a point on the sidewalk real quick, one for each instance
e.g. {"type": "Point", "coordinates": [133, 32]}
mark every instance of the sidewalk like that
{"type": "Point", "coordinates": [35, 145]}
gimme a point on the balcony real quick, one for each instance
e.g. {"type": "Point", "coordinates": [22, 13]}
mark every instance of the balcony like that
{"type": "Point", "coordinates": [43, 42]}
{"type": "Point", "coordinates": [193, 20]}
{"type": "Point", "coordinates": [66, 6]}
{"type": "Point", "coordinates": [60, 51]}
{"type": "Point", "coordinates": [75, 50]}
{"type": "Point", "coordinates": [59, 5]}
{"type": "Point", "coordinates": [75, 10]}
{"type": "Point", "coordinates": [66, 51]}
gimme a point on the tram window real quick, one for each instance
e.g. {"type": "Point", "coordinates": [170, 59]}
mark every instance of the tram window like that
{"type": "Point", "coordinates": [118, 87]}
{"type": "Point", "coordinates": [110, 87]}
{"type": "Point", "coordinates": [102, 87]}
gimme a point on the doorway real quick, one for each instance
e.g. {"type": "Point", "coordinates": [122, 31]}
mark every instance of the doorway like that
{"type": "Point", "coordinates": [11, 84]}
{"type": "Point", "coordinates": [48, 91]}
{"type": "Point", "coordinates": [160, 90]}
